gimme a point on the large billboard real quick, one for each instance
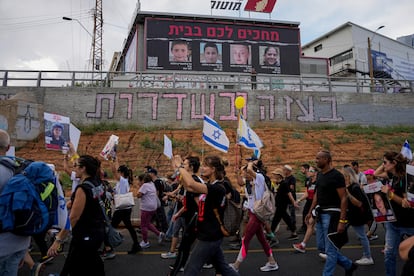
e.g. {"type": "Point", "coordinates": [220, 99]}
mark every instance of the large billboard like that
{"type": "Point", "coordinates": [207, 45]}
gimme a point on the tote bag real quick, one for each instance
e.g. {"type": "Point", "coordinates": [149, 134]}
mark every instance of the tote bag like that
{"type": "Point", "coordinates": [124, 201]}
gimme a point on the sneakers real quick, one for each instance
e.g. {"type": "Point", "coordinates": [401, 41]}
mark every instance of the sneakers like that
{"type": "Point", "coordinates": [350, 271]}
{"type": "Point", "coordinates": [207, 266]}
{"type": "Point", "coordinates": [365, 261]}
{"type": "Point", "coordinates": [233, 267]}
{"type": "Point", "coordinates": [108, 255]}
{"type": "Point", "coordinates": [269, 267]}
{"type": "Point", "coordinates": [36, 269]}
{"type": "Point", "coordinates": [135, 249]}
{"type": "Point", "coordinates": [322, 255]}
{"type": "Point", "coordinates": [299, 247]}
{"type": "Point", "coordinates": [270, 236]}
{"type": "Point", "coordinates": [169, 255]}
{"type": "Point", "coordinates": [144, 244]}
{"type": "Point", "coordinates": [172, 268]}
{"type": "Point", "coordinates": [293, 237]}
{"type": "Point", "coordinates": [161, 237]}
{"type": "Point", "coordinates": [373, 237]}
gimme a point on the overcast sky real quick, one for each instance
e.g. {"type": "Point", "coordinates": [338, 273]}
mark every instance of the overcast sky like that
{"type": "Point", "coordinates": [33, 35]}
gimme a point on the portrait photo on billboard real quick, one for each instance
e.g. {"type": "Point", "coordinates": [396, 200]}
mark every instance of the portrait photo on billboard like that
{"type": "Point", "coordinates": [180, 51]}
{"type": "Point", "coordinates": [210, 53]}
{"type": "Point", "coordinates": [270, 58]}
{"type": "Point", "coordinates": [240, 55]}
{"type": "Point", "coordinates": [56, 131]}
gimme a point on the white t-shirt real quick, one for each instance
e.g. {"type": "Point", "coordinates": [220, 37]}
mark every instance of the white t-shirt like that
{"type": "Point", "coordinates": [149, 197]}
{"type": "Point", "coordinates": [259, 189]}
{"type": "Point", "coordinates": [75, 181]}
{"type": "Point", "coordinates": [122, 187]}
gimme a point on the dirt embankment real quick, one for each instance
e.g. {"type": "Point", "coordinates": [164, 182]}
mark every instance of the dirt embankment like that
{"type": "Point", "coordinates": [282, 146]}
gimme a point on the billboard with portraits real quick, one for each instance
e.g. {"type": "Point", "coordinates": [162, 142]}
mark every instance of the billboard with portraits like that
{"type": "Point", "coordinates": [207, 45]}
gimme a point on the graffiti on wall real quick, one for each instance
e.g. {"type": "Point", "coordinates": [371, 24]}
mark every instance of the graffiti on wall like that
{"type": "Point", "coordinates": [269, 107]}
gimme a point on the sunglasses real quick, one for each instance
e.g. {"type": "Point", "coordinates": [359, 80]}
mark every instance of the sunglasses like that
{"type": "Point", "coordinates": [312, 171]}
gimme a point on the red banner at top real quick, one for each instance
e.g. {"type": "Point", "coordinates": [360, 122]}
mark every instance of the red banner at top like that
{"type": "Point", "coordinates": [260, 5]}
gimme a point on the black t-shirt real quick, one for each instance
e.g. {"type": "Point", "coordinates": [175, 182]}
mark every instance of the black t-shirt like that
{"type": "Point", "coordinates": [159, 186]}
{"type": "Point", "coordinates": [291, 181]}
{"type": "Point", "coordinates": [326, 189]}
{"type": "Point", "coordinates": [91, 223]}
{"type": "Point", "coordinates": [208, 227]}
{"type": "Point", "coordinates": [358, 215]}
{"type": "Point", "coordinates": [190, 203]}
{"type": "Point", "coordinates": [404, 215]}
{"type": "Point", "coordinates": [282, 195]}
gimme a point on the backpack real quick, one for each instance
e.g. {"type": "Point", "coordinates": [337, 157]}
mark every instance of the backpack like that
{"type": "Point", "coordinates": [28, 202]}
{"type": "Point", "coordinates": [18, 165]}
{"type": "Point", "coordinates": [265, 208]}
{"type": "Point", "coordinates": [232, 217]}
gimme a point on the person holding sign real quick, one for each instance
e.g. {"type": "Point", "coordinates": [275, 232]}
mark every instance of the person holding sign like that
{"type": "Point", "coordinates": [393, 170]}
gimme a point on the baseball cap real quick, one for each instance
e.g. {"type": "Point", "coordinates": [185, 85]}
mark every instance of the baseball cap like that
{"type": "Point", "coordinates": [369, 172]}
{"type": "Point", "coordinates": [57, 125]}
{"type": "Point", "coordinates": [152, 170]}
{"type": "Point", "coordinates": [287, 167]}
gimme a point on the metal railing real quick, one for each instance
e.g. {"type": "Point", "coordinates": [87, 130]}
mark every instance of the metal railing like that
{"type": "Point", "coordinates": [199, 80]}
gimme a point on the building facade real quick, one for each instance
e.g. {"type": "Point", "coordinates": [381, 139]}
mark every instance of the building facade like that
{"type": "Point", "coordinates": [348, 51]}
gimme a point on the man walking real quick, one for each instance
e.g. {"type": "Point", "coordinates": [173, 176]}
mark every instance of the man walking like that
{"type": "Point", "coordinates": [331, 197]}
{"type": "Point", "coordinates": [13, 247]}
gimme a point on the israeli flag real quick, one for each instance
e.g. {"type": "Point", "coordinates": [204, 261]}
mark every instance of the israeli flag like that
{"type": "Point", "coordinates": [406, 151]}
{"type": "Point", "coordinates": [214, 135]}
{"type": "Point", "coordinates": [247, 137]}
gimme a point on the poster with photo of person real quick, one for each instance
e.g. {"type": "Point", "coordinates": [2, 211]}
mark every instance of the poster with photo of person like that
{"type": "Point", "coordinates": [56, 131]}
{"type": "Point", "coordinates": [410, 184]}
{"type": "Point", "coordinates": [211, 54]}
{"type": "Point", "coordinates": [380, 205]}
{"type": "Point", "coordinates": [269, 59]}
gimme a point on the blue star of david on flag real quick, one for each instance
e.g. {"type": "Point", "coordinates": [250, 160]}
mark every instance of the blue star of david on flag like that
{"type": "Point", "coordinates": [214, 135]}
{"type": "Point", "coordinates": [247, 137]}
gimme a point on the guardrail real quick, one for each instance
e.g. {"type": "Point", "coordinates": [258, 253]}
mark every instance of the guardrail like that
{"type": "Point", "coordinates": [198, 80]}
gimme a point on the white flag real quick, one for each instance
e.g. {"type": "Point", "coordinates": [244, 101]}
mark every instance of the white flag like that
{"type": "Point", "coordinates": [214, 135]}
{"type": "Point", "coordinates": [168, 147]}
{"type": "Point", "coordinates": [247, 137]}
{"type": "Point", "coordinates": [406, 151]}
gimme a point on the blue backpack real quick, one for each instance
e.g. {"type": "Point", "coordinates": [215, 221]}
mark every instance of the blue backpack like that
{"type": "Point", "coordinates": [29, 200]}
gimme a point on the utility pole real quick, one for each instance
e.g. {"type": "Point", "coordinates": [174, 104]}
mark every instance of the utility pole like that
{"type": "Point", "coordinates": [97, 61]}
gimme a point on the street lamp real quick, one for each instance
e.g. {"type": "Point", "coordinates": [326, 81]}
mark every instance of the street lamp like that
{"type": "Point", "coordinates": [74, 19]}
{"type": "Point", "coordinates": [370, 62]}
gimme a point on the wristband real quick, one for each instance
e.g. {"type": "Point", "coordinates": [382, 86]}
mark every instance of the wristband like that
{"type": "Point", "coordinates": [59, 241]}
{"type": "Point", "coordinates": [343, 221]}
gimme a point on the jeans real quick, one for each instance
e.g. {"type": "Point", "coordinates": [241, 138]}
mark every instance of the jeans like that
{"type": "Point", "coordinates": [334, 256]}
{"type": "Point", "coordinates": [9, 264]}
{"type": "Point", "coordinates": [360, 231]}
{"type": "Point", "coordinates": [205, 251]}
{"type": "Point", "coordinates": [393, 237]}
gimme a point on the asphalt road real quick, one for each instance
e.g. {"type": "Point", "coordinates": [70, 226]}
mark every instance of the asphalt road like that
{"type": "Point", "coordinates": [149, 262]}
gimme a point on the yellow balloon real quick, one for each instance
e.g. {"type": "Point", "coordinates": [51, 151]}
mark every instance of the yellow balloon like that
{"type": "Point", "coordinates": [239, 102]}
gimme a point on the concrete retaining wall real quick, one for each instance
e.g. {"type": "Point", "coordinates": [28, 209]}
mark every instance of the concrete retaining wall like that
{"type": "Point", "coordinates": [185, 108]}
